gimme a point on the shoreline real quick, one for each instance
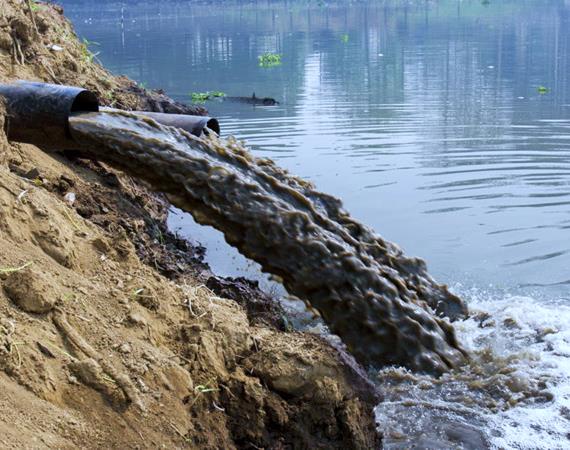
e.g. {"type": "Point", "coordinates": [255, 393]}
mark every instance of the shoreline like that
{"type": "Point", "coordinates": [130, 338]}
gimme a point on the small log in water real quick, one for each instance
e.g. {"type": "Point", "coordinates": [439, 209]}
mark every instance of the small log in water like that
{"type": "Point", "coordinates": [366, 290]}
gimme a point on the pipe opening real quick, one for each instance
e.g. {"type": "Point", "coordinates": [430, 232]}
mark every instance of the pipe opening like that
{"type": "Point", "coordinates": [213, 125]}
{"type": "Point", "coordinates": [85, 101]}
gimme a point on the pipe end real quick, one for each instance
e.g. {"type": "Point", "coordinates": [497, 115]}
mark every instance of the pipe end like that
{"type": "Point", "coordinates": [213, 125]}
{"type": "Point", "coordinates": [85, 101]}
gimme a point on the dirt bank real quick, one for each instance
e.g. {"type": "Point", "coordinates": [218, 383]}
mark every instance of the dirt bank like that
{"type": "Point", "coordinates": [109, 337]}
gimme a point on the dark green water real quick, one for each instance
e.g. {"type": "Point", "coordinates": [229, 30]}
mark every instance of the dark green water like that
{"type": "Point", "coordinates": [426, 118]}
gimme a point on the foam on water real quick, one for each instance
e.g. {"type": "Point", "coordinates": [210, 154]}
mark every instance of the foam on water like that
{"type": "Point", "coordinates": [538, 345]}
{"type": "Point", "coordinates": [515, 394]}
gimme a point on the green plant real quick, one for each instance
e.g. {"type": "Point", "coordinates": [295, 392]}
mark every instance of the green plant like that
{"type": "Point", "coordinates": [542, 90]}
{"type": "Point", "coordinates": [63, 33]}
{"type": "Point", "coordinates": [202, 97]}
{"type": "Point", "coordinates": [34, 5]}
{"type": "Point", "coordinates": [344, 38]}
{"type": "Point", "coordinates": [136, 293]}
{"type": "Point", "coordinates": [15, 269]}
{"type": "Point", "coordinates": [160, 236]}
{"type": "Point", "coordinates": [68, 297]}
{"type": "Point", "coordinates": [204, 389]}
{"type": "Point", "coordinates": [87, 55]}
{"type": "Point", "coordinates": [269, 60]}
{"type": "Point", "coordinates": [200, 390]}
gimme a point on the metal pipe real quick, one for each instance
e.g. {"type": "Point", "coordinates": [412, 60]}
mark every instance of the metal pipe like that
{"type": "Point", "coordinates": [38, 113]}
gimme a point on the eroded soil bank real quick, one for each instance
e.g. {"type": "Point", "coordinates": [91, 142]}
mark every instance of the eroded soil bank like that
{"type": "Point", "coordinates": [109, 337]}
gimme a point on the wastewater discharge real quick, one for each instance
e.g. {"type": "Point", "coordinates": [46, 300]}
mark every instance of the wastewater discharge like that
{"type": "Point", "coordinates": [384, 306]}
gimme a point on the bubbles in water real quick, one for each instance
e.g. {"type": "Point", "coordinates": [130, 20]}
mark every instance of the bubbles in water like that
{"type": "Point", "coordinates": [515, 393]}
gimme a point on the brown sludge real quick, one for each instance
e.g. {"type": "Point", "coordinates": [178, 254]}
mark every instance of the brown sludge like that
{"type": "Point", "coordinates": [367, 291]}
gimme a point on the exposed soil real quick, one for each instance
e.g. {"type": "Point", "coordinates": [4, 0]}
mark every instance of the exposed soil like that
{"type": "Point", "coordinates": [113, 332]}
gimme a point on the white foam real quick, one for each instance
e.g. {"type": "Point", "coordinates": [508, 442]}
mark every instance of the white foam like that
{"type": "Point", "coordinates": [538, 342]}
{"type": "Point", "coordinates": [526, 341]}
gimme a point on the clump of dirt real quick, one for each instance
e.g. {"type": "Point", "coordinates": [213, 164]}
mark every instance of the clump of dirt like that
{"type": "Point", "coordinates": [31, 290]}
{"type": "Point", "coordinates": [109, 337]}
{"type": "Point", "coordinates": [137, 214]}
{"type": "Point", "coordinates": [260, 307]}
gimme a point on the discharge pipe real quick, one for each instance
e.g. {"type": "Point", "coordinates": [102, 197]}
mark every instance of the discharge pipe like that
{"type": "Point", "coordinates": [38, 113]}
{"type": "Point", "coordinates": [195, 125]}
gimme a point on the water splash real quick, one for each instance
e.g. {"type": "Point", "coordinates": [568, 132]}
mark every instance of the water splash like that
{"type": "Point", "coordinates": [515, 393]}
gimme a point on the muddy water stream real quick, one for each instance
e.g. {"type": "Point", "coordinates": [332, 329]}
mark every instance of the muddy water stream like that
{"type": "Point", "coordinates": [366, 290]}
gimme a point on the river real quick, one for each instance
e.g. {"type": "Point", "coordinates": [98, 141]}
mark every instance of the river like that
{"type": "Point", "coordinates": [444, 125]}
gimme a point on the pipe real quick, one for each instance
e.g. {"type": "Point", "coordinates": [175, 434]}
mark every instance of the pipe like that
{"type": "Point", "coordinates": [195, 125]}
{"type": "Point", "coordinates": [38, 113]}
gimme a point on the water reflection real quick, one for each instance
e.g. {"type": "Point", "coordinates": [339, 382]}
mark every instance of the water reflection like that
{"type": "Point", "coordinates": [425, 117]}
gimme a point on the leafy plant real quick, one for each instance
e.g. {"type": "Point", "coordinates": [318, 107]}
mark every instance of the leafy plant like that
{"type": "Point", "coordinates": [136, 293]}
{"type": "Point", "coordinates": [204, 389]}
{"type": "Point", "coordinates": [344, 38]}
{"type": "Point", "coordinates": [62, 33]}
{"type": "Point", "coordinates": [202, 97]}
{"type": "Point", "coordinates": [86, 53]}
{"type": "Point", "coordinates": [269, 60]}
{"type": "Point", "coordinates": [200, 390]}
{"type": "Point", "coordinates": [542, 90]}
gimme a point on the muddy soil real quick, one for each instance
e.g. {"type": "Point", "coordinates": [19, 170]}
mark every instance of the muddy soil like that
{"type": "Point", "coordinates": [113, 332]}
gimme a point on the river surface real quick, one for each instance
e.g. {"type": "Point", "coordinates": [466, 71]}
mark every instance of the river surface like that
{"type": "Point", "coordinates": [444, 125]}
